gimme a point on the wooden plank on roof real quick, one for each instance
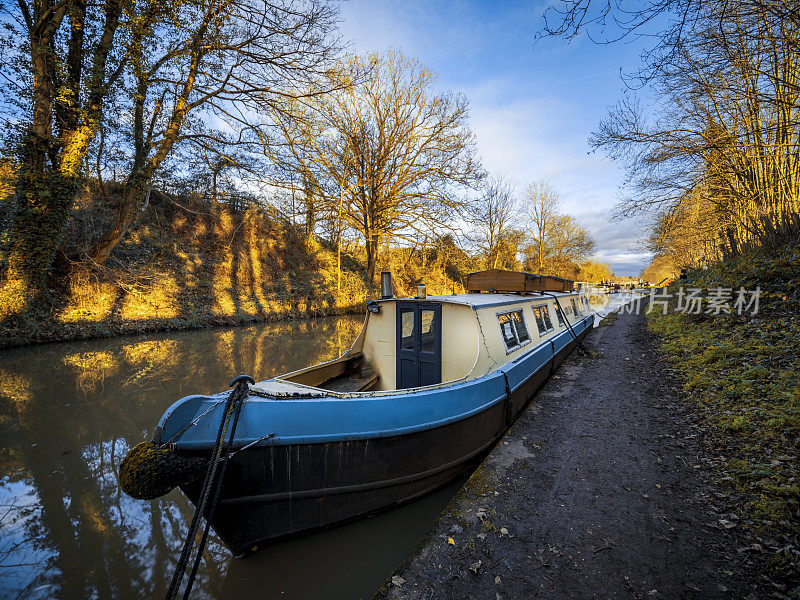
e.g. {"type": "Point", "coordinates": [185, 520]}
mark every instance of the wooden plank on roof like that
{"type": "Point", "coordinates": [549, 283]}
{"type": "Point", "coordinates": [498, 280]}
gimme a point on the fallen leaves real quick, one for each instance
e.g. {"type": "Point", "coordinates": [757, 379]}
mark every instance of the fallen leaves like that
{"type": "Point", "coordinates": [727, 524]}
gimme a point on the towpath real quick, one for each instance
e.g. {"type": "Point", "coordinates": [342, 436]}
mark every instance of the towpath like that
{"type": "Point", "coordinates": [598, 491]}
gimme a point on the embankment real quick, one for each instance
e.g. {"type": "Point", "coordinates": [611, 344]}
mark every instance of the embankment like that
{"type": "Point", "coordinates": [742, 372]}
{"type": "Point", "coordinates": [186, 266]}
{"type": "Point", "coordinates": [190, 263]}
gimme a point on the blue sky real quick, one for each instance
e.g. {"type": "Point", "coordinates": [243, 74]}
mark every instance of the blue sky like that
{"type": "Point", "coordinates": [532, 107]}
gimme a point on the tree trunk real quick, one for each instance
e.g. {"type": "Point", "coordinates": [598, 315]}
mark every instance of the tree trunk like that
{"type": "Point", "coordinates": [541, 256]}
{"type": "Point", "coordinates": [372, 257]}
{"type": "Point", "coordinates": [42, 205]}
{"type": "Point", "coordinates": [50, 169]}
{"type": "Point", "coordinates": [43, 197]}
{"type": "Point", "coordinates": [132, 197]}
{"type": "Point", "coordinates": [310, 207]}
{"type": "Point", "coordinates": [145, 165]}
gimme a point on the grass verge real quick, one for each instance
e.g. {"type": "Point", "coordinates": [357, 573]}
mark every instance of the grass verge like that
{"type": "Point", "coordinates": [743, 371]}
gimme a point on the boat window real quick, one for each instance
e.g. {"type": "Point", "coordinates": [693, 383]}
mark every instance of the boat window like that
{"type": "Point", "coordinates": [543, 321]}
{"type": "Point", "coordinates": [522, 329]}
{"type": "Point", "coordinates": [574, 308]}
{"type": "Point", "coordinates": [546, 315]}
{"type": "Point", "coordinates": [428, 337]}
{"type": "Point", "coordinates": [560, 316]}
{"type": "Point", "coordinates": [513, 328]}
{"type": "Point", "coordinates": [407, 329]}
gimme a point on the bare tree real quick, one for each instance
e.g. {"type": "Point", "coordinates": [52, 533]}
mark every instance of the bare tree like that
{"type": "Point", "coordinates": [219, 62]}
{"type": "Point", "coordinates": [594, 271]}
{"type": "Point", "coordinates": [728, 143]}
{"type": "Point", "coordinates": [509, 245]}
{"type": "Point", "coordinates": [493, 218]}
{"type": "Point", "coordinates": [388, 156]}
{"type": "Point", "coordinates": [569, 245]}
{"type": "Point", "coordinates": [193, 72]}
{"type": "Point", "coordinates": [60, 61]}
{"type": "Point", "coordinates": [541, 212]}
{"type": "Point", "coordinates": [720, 165]}
{"type": "Point", "coordinates": [557, 242]}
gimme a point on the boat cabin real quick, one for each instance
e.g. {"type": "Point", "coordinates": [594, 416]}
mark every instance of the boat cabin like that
{"type": "Point", "coordinates": [438, 340]}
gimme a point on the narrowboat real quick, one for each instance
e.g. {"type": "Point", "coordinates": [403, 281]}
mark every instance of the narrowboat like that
{"type": "Point", "coordinates": [430, 384]}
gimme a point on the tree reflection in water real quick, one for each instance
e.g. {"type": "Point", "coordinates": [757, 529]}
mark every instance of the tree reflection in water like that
{"type": "Point", "coordinates": [69, 413]}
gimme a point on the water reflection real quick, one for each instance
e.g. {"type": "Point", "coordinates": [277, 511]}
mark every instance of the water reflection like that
{"type": "Point", "coordinates": [69, 413]}
{"type": "Point", "coordinates": [602, 303]}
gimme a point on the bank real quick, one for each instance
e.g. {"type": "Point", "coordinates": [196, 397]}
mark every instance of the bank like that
{"type": "Point", "coordinates": [187, 263]}
{"type": "Point", "coordinates": [35, 331]}
{"type": "Point", "coordinates": [741, 371]}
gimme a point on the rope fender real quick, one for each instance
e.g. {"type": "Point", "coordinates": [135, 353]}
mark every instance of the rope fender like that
{"type": "Point", "coordinates": [149, 471]}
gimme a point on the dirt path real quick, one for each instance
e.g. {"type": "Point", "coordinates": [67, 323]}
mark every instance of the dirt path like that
{"type": "Point", "coordinates": [596, 492]}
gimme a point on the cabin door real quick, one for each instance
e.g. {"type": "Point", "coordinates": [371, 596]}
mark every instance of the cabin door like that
{"type": "Point", "coordinates": [419, 344]}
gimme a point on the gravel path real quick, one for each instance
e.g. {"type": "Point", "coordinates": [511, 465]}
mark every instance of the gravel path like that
{"type": "Point", "coordinates": [598, 491]}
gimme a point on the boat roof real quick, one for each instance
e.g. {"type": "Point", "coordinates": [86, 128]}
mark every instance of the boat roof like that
{"type": "Point", "coordinates": [477, 301]}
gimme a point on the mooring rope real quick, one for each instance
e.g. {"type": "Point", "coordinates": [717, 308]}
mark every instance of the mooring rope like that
{"type": "Point", "coordinates": [224, 459]}
{"type": "Point", "coordinates": [192, 423]}
{"type": "Point", "coordinates": [233, 407]}
{"type": "Point", "coordinates": [581, 347]}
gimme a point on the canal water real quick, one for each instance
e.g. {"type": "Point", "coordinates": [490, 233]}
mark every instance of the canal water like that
{"type": "Point", "coordinates": [603, 303]}
{"type": "Point", "coordinates": [68, 414]}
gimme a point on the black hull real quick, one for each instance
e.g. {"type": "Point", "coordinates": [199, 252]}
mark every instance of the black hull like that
{"type": "Point", "coordinates": [273, 492]}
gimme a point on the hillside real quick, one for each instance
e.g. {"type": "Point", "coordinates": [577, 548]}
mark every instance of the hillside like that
{"type": "Point", "coordinates": [189, 263]}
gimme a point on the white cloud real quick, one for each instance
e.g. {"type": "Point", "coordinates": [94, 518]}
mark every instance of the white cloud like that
{"type": "Point", "coordinates": [619, 243]}
{"type": "Point", "coordinates": [533, 138]}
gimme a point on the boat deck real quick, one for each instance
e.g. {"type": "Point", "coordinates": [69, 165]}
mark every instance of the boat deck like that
{"type": "Point", "coordinates": [353, 382]}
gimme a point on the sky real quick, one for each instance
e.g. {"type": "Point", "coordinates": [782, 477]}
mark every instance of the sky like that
{"type": "Point", "coordinates": [532, 107]}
